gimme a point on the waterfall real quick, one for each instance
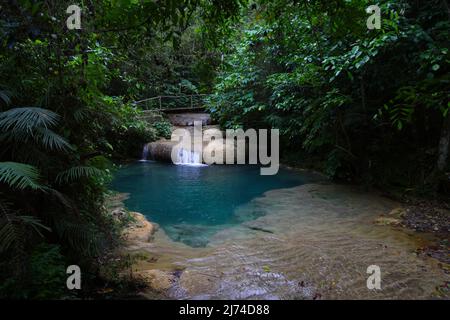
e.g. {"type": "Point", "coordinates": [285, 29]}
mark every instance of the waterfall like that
{"type": "Point", "coordinates": [187, 157]}
{"type": "Point", "coordinates": [145, 152]}
{"type": "Point", "coordinates": [162, 151]}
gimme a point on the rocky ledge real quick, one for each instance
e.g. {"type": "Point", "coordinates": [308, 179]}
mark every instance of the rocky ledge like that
{"type": "Point", "coordinates": [139, 232]}
{"type": "Point", "coordinates": [427, 219]}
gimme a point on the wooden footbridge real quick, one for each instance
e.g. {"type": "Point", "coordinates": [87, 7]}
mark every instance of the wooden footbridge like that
{"type": "Point", "coordinates": [174, 104]}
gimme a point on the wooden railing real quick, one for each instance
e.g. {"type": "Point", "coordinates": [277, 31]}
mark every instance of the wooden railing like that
{"type": "Point", "coordinates": [181, 102]}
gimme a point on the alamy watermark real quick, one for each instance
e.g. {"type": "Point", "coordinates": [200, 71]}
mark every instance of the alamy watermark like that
{"type": "Point", "coordinates": [73, 22]}
{"type": "Point", "coordinates": [74, 280]}
{"type": "Point", "coordinates": [374, 20]}
{"type": "Point", "coordinates": [236, 147]}
{"type": "Point", "coordinates": [374, 280]}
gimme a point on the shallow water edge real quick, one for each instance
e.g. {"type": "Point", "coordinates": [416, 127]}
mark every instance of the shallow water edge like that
{"type": "Point", "coordinates": [313, 241]}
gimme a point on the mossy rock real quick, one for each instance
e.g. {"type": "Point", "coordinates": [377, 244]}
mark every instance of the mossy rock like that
{"type": "Point", "coordinates": [387, 221]}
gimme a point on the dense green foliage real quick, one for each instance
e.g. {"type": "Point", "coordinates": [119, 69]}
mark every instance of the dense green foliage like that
{"type": "Point", "coordinates": [364, 105]}
{"type": "Point", "coordinates": [66, 111]}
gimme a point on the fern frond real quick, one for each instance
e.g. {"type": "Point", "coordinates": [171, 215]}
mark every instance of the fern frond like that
{"type": "Point", "coordinates": [76, 173]}
{"type": "Point", "coordinates": [19, 175]}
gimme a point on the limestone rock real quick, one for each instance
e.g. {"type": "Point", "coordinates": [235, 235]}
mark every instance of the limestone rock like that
{"type": "Point", "coordinates": [157, 279]}
{"type": "Point", "coordinates": [387, 221]}
{"type": "Point", "coordinates": [141, 230]}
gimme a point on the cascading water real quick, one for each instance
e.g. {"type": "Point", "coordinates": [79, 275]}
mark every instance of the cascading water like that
{"type": "Point", "coordinates": [145, 152]}
{"type": "Point", "coordinates": [166, 150]}
{"type": "Point", "coordinates": [188, 157]}
{"type": "Point", "coordinates": [162, 151]}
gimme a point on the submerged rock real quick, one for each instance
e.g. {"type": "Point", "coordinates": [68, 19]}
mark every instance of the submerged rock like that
{"type": "Point", "coordinates": [323, 241]}
{"type": "Point", "coordinates": [193, 235]}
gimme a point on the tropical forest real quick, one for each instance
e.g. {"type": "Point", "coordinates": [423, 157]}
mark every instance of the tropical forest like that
{"type": "Point", "coordinates": [224, 149]}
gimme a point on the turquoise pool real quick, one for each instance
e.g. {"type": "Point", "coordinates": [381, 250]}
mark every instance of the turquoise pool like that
{"type": "Point", "coordinates": [192, 202]}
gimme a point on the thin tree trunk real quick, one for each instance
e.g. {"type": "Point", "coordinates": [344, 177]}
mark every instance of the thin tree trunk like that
{"type": "Point", "coordinates": [445, 130]}
{"type": "Point", "coordinates": [444, 142]}
{"type": "Point", "coordinates": [446, 7]}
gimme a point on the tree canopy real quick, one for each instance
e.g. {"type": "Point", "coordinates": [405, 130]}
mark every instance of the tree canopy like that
{"type": "Point", "coordinates": [362, 105]}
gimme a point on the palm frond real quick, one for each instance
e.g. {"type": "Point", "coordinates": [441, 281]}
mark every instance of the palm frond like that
{"type": "Point", "coordinates": [82, 237]}
{"type": "Point", "coordinates": [63, 199]}
{"type": "Point", "coordinates": [31, 154]}
{"type": "Point", "coordinates": [51, 140]}
{"type": "Point", "coordinates": [19, 175]}
{"type": "Point", "coordinates": [81, 114]}
{"type": "Point", "coordinates": [13, 226]}
{"type": "Point", "coordinates": [26, 119]}
{"type": "Point", "coordinates": [5, 96]}
{"type": "Point", "coordinates": [21, 125]}
{"type": "Point", "coordinates": [11, 234]}
{"type": "Point", "coordinates": [76, 173]}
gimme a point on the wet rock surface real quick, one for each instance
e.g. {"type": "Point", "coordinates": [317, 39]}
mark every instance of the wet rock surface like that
{"type": "Point", "coordinates": [140, 231]}
{"type": "Point", "coordinates": [188, 119]}
{"type": "Point", "coordinates": [426, 218]}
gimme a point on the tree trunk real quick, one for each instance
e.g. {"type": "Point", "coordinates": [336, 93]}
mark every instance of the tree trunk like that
{"type": "Point", "coordinates": [444, 142]}
{"type": "Point", "coordinates": [445, 130]}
